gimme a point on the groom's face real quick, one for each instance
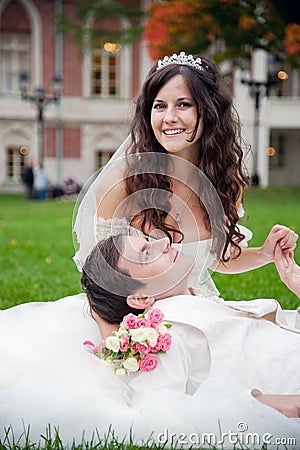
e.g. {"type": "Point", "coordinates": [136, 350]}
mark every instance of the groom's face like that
{"type": "Point", "coordinates": [160, 266]}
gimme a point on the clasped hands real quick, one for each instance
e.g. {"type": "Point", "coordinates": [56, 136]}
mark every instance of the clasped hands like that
{"type": "Point", "coordinates": [281, 235]}
{"type": "Point", "coordinates": [279, 247]}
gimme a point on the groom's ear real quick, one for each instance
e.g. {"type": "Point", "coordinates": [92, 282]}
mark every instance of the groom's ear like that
{"type": "Point", "coordinates": [137, 301]}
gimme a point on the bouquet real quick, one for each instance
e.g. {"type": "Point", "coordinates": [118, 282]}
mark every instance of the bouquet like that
{"type": "Point", "coordinates": [134, 345]}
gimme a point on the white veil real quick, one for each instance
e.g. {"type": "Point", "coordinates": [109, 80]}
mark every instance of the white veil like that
{"type": "Point", "coordinates": [85, 211]}
{"type": "Point", "coordinates": [86, 221]}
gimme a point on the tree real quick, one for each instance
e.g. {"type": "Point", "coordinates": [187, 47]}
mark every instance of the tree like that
{"type": "Point", "coordinates": [103, 21]}
{"type": "Point", "coordinates": [224, 28]}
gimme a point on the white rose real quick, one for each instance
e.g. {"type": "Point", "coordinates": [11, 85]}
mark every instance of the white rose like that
{"type": "Point", "coordinates": [152, 336]}
{"type": "Point", "coordinates": [112, 343]}
{"type": "Point", "coordinates": [131, 365]}
{"type": "Point", "coordinates": [122, 332]}
{"type": "Point", "coordinates": [162, 328]}
{"type": "Point", "coordinates": [120, 372]}
{"type": "Point", "coordinates": [109, 364]}
{"type": "Point", "coordinates": [139, 334]}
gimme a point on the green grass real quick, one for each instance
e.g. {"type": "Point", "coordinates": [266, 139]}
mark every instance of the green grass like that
{"type": "Point", "coordinates": [36, 249]}
{"type": "Point", "coordinates": [264, 208]}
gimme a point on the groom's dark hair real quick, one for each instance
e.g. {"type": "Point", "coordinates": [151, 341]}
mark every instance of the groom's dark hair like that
{"type": "Point", "coordinates": [106, 286]}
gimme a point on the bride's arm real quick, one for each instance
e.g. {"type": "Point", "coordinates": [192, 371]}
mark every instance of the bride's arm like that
{"type": "Point", "coordinates": [254, 257]}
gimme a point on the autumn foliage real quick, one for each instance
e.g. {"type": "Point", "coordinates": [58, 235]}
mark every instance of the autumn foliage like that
{"type": "Point", "coordinates": [224, 28]}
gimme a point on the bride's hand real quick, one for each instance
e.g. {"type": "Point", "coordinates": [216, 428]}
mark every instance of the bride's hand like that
{"type": "Point", "coordinates": [289, 405]}
{"type": "Point", "coordinates": [287, 269]}
{"type": "Point", "coordinates": [286, 238]}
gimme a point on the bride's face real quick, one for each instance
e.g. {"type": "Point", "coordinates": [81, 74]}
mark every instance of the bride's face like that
{"type": "Point", "coordinates": [174, 119]}
{"type": "Point", "coordinates": [162, 268]}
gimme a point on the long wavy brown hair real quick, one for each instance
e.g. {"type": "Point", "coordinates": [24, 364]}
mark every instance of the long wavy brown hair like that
{"type": "Point", "coordinates": [220, 150]}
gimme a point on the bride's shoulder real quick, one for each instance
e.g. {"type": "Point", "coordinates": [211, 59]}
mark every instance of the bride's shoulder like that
{"type": "Point", "coordinates": [111, 196]}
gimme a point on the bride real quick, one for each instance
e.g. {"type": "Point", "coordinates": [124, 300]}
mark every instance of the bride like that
{"type": "Point", "coordinates": [179, 175]}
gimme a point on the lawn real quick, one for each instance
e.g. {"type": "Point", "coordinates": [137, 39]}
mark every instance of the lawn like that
{"type": "Point", "coordinates": [37, 248]}
{"type": "Point", "coordinates": [264, 208]}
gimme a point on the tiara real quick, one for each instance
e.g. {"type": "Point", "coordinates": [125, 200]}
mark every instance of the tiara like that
{"type": "Point", "coordinates": [182, 59]}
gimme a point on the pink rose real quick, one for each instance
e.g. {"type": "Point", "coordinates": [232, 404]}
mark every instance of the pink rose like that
{"type": "Point", "coordinates": [166, 342]}
{"type": "Point", "coordinates": [134, 347]}
{"type": "Point", "coordinates": [148, 363]}
{"type": "Point", "coordinates": [143, 322]}
{"type": "Point", "coordinates": [144, 348]}
{"type": "Point", "coordinates": [129, 321]}
{"type": "Point", "coordinates": [124, 343]}
{"type": "Point", "coordinates": [158, 345]}
{"type": "Point", "coordinates": [155, 316]}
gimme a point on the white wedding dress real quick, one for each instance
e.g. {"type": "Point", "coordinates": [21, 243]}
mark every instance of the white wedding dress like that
{"type": "Point", "coordinates": [47, 378]}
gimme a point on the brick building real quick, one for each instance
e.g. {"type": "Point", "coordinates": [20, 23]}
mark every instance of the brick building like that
{"type": "Point", "coordinates": [98, 87]}
{"type": "Point", "coordinates": [90, 121]}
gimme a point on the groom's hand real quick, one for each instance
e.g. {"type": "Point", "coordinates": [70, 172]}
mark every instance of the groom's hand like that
{"type": "Point", "coordinates": [289, 405]}
{"type": "Point", "coordinates": [287, 269]}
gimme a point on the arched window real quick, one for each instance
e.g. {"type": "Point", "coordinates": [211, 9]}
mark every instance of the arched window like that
{"type": "Point", "coordinates": [105, 74]}
{"type": "Point", "coordinates": [15, 46]}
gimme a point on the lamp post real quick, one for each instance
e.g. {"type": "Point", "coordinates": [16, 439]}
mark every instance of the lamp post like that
{"type": "Point", "coordinates": [41, 99]}
{"type": "Point", "coordinates": [257, 90]}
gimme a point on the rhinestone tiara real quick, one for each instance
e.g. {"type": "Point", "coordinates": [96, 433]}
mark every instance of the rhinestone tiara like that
{"type": "Point", "coordinates": [182, 59]}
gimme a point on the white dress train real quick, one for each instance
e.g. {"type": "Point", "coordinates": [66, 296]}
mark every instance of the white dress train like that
{"type": "Point", "coordinates": [47, 378]}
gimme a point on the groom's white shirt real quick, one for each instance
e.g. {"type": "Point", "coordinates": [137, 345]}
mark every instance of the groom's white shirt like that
{"type": "Point", "coordinates": [245, 343]}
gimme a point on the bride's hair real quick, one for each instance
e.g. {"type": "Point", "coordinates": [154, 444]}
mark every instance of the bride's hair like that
{"type": "Point", "coordinates": [220, 147]}
{"type": "Point", "coordinates": [106, 286]}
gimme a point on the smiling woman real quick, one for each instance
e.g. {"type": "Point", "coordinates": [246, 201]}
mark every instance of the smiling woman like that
{"type": "Point", "coordinates": [180, 175]}
{"type": "Point", "coordinates": [174, 120]}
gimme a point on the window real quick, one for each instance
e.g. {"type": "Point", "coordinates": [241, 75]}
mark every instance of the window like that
{"type": "Point", "coordinates": [105, 71]}
{"type": "Point", "coordinates": [277, 159]}
{"type": "Point", "coordinates": [14, 60]}
{"type": "Point", "coordinates": [102, 157]}
{"type": "Point", "coordinates": [14, 164]}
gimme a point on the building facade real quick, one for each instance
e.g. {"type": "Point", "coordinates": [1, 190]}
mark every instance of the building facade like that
{"type": "Point", "coordinates": [90, 120]}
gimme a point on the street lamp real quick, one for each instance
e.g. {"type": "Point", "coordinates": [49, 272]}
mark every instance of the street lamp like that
{"type": "Point", "coordinates": [41, 99]}
{"type": "Point", "coordinates": [257, 90]}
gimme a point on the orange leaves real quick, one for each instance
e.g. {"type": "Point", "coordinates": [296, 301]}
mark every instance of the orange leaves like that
{"type": "Point", "coordinates": [292, 39]}
{"type": "Point", "coordinates": [247, 23]}
{"type": "Point", "coordinates": [178, 25]}
{"type": "Point", "coordinates": [196, 25]}
{"type": "Point", "coordinates": [167, 20]}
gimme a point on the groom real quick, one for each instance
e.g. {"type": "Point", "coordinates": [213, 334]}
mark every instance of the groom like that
{"type": "Point", "coordinates": [227, 340]}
